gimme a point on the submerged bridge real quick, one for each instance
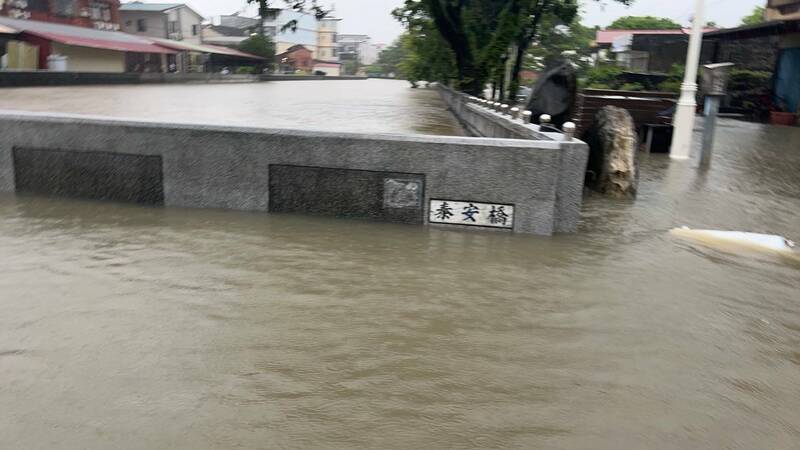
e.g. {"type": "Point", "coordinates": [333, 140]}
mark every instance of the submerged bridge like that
{"type": "Point", "coordinates": [517, 179]}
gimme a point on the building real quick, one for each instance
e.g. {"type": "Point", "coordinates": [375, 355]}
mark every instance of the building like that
{"type": "Point", "coordinates": [246, 24]}
{"type": "Point", "coordinates": [174, 21]}
{"type": "Point", "coordinates": [772, 46]}
{"type": "Point", "coordinates": [97, 14]}
{"type": "Point", "coordinates": [207, 58]}
{"type": "Point", "coordinates": [644, 51]}
{"type": "Point", "coordinates": [782, 10]}
{"type": "Point", "coordinates": [331, 69]}
{"type": "Point", "coordinates": [296, 58]}
{"type": "Point", "coordinates": [225, 36]}
{"type": "Point", "coordinates": [80, 49]}
{"type": "Point", "coordinates": [289, 28]}
{"type": "Point", "coordinates": [327, 37]}
{"type": "Point", "coordinates": [353, 47]}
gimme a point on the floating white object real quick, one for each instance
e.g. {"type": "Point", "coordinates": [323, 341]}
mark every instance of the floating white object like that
{"type": "Point", "coordinates": [753, 241]}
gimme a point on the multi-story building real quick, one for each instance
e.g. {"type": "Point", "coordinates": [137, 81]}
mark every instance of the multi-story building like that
{"type": "Point", "coordinates": [353, 47]}
{"type": "Point", "coordinates": [97, 14]}
{"type": "Point", "coordinates": [288, 28]}
{"type": "Point", "coordinates": [327, 37]}
{"type": "Point", "coordinates": [174, 21]}
{"type": "Point", "coordinates": [248, 24]}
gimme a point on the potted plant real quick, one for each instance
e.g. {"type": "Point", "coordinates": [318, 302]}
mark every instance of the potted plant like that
{"type": "Point", "coordinates": [779, 115]}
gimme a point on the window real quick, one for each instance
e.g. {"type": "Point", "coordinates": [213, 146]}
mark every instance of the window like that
{"type": "Point", "coordinates": [64, 8]}
{"type": "Point", "coordinates": [172, 27]}
{"type": "Point", "coordinates": [141, 25]}
{"type": "Point", "coordinates": [100, 11]}
{"type": "Point", "coordinates": [194, 30]}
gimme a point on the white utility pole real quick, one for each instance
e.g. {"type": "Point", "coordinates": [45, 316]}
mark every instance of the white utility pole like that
{"type": "Point", "coordinates": [687, 105]}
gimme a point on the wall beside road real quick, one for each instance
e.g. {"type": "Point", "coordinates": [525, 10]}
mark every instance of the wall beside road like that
{"type": "Point", "coordinates": [383, 177]}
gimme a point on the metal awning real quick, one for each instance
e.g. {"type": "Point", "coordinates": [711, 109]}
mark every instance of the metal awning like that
{"type": "Point", "coordinates": [84, 37]}
{"type": "Point", "coordinates": [7, 30]}
{"type": "Point", "coordinates": [204, 48]}
{"type": "Point", "coordinates": [144, 47]}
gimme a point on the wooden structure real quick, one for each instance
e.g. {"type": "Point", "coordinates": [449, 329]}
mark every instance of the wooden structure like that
{"type": "Point", "coordinates": [644, 107]}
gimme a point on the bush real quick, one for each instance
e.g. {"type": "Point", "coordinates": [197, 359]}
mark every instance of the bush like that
{"type": "Point", "coordinates": [245, 70]}
{"type": "Point", "coordinates": [751, 91]}
{"type": "Point", "coordinates": [604, 75]}
{"type": "Point", "coordinates": [632, 87]}
{"type": "Point", "coordinates": [670, 86]}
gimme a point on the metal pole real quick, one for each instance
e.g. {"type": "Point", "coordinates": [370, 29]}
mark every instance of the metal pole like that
{"type": "Point", "coordinates": [712, 108]}
{"type": "Point", "coordinates": [684, 116]}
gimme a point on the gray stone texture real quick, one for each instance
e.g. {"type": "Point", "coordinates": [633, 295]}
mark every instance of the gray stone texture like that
{"type": "Point", "coordinates": [573, 155]}
{"type": "Point", "coordinates": [228, 167]}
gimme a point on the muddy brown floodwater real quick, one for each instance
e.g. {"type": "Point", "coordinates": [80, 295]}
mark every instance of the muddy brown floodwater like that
{"type": "Point", "coordinates": [133, 327]}
{"type": "Point", "coordinates": [371, 106]}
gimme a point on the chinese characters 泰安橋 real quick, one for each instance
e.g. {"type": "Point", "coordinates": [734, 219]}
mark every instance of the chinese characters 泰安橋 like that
{"type": "Point", "coordinates": [444, 212]}
{"type": "Point", "coordinates": [498, 215]}
{"type": "Point", "coordinates": [470, 212]}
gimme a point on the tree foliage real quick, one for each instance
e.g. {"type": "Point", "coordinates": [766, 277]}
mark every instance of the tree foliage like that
{"type": "Point", "coordinates": [481, 36]}
{"type": "Point", "coordinates": [756, 17]}
{"type": "Point", "coordinates": [644, 23]}
{"type": "Point", "coordinates": [259, 45]}
{"type": "Point", "coordinates": [390, 58]}
{"type": "Point", "coordinates": [306, 6]}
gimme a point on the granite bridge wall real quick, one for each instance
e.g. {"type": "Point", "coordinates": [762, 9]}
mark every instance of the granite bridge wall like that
{"type": "Point", "coordinates": [398, 178]}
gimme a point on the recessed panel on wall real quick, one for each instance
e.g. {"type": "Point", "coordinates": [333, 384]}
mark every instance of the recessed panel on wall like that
{"type": "Point", "coordinates": [95, 175]}
{"type": "Point", "coordinates": [362, 194]}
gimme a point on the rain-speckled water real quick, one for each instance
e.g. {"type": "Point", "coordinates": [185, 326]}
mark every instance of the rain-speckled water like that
{"type": "Point", "coordinates": [365, 106]}
{"type": "Point", "coordinates": [133, 327]}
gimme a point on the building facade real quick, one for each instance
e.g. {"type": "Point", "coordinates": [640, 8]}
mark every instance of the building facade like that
{"type": "Point", "coordinates": [295, 59]}
{"type": "Point", "coordinates": [327, 37]}
{"type": "Point", "coordinates": [782, 10]}
{"type": "Point", "coordinates": [353, 47]}
{"type": "Point", "coordinates": [97, 14]}
{"type": "Point", "coordinates": [174, 21]}
{"type": "Point", "coordinates": [60, 47]}
{"type": "Point", "coordinates": [289, 28]}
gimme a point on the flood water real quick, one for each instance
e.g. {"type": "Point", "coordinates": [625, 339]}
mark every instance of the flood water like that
{"type": "Point", "coordinates": [134, 327]}
{"type": "Point", "coordinates": [362, 106]}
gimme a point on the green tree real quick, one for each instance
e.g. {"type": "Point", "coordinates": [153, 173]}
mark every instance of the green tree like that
{"type": "Point", "coordinates": [351, 67]}
{"type": "Point", "coordinates": [426, 57]}
{"type": "Point", "coordinates": [644, 23]}
{"type": "Point", "coordinates": [259, 45]}
{"type": "Point", "coordinates": [483, 35]}
{"type": "Point", "coordinates": [390, 58]}
{"type": "Point", "coordinates": [756, 17]}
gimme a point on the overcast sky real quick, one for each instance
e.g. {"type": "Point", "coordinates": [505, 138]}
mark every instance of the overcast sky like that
{"type": "Point", "coordinates": [372, 17]}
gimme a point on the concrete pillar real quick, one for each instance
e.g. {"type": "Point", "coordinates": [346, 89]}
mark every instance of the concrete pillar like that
{"type": "Point", "coordinates": [687, 105]}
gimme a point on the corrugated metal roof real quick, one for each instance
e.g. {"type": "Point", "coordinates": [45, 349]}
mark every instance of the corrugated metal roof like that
{"type": "Point", "coordinates": [204, 48]}
{"type": "Point", "coordinates": [148, 7]}
{"type": "Point", "coordinates": [608, 36]}
{"type": "Point", "coordinates": [85, 37]}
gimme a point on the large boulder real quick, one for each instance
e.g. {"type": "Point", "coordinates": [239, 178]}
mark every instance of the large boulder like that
{"type": "Point", "coordinates": [555, 94]}
{"type": "Point", "coordinates": [613, 167]}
